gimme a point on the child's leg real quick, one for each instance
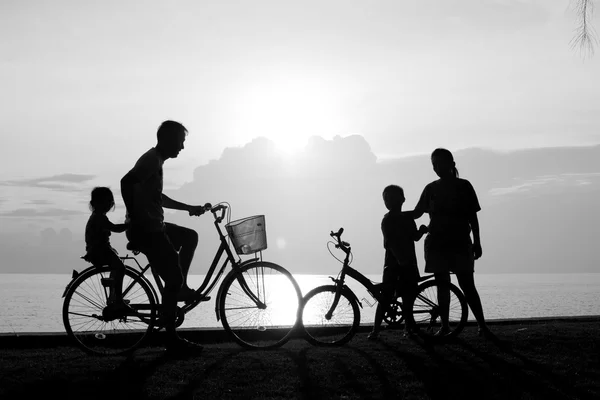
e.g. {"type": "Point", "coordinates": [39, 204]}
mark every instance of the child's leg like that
{"type": "Point", "coordinates": [387, 292]}
{"type": "Point", "coordinates": [408, 285]}
{"type": "Point", "coordinates": [117, 274]}
{"type": "Point", "coordinates": [408, 297]}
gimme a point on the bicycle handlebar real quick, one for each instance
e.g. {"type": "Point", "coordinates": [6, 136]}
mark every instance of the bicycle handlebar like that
{"type": "Point", "coordinates": [216, 209]}
{"type": "Point", "coordinates": [345, 246]}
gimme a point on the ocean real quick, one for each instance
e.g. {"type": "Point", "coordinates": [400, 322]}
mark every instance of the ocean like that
{"type": "Point", "coordinates": [33, 303]}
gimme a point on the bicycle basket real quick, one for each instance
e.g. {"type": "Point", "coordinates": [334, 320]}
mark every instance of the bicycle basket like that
{"type": "Point", "coordinates": [248, 235]}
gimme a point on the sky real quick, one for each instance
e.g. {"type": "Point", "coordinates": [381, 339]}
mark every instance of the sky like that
{"type": "Point", "coordinates": [86, 84]}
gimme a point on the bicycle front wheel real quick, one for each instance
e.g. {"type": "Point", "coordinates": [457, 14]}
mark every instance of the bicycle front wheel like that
{"type": "Point", "coordinates": [259, 305]}
{"type": "Point", "coordinates": [342, 324]}
{"type": "Point", "coordinates": [429, 312]}
{"type": "Point", "coordinates": [100, 330]}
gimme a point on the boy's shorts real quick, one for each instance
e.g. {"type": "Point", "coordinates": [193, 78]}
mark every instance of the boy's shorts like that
{"type": "Point", "coordinates": [404, 278]}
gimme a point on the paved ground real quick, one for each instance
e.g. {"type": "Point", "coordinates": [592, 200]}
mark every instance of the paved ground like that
{"type": "Point", "coordinates": [554, 359]}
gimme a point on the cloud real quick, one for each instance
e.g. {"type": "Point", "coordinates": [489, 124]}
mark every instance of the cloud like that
{"type": "Point", "coordinates": [544, 184]}
{"type": "Point", "coordinates": [525, 195]}
{"type": "Point", "coordinates": [62, 182]}
{"type": "Point", "coordinates": [35, 213]}
{"type": "Point", "coordinates": [40, 202]}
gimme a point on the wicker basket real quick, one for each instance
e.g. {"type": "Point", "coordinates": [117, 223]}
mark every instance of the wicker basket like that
{"type": "Point", "coordinates": [248, 235]}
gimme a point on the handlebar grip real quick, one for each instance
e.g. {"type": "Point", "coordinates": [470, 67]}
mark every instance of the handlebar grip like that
{"type": "Point", "coordinates": [337, 234]}
{"type": "Point", "coordinates": [218, 207]}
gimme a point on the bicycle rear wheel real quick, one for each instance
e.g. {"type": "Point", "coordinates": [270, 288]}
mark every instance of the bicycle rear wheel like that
{"type": "Point", "coordinates": [259, 305]}
{"type": "Point", "coordinates": [342, 325]}
{"type": "Point", "coordinates": [429, 315]}
{"type": "Point", "coordinates": [97, 329]}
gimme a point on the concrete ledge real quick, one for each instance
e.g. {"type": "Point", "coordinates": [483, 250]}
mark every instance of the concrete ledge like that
{"type": "Point", "coordinates": [218, 335]}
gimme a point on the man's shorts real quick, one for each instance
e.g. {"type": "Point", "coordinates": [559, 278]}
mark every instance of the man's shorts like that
{"type": "Point", "coordinates": [160, 252]}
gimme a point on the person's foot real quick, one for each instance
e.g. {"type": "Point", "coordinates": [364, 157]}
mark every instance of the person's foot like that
{"type": "Point", "coordinates": [119, 302]}
{"type": "Point", "coordinates": [186, 294]}
{"type": "Point", "coordinates": [117, 309]}
{"type": "Point", "coordinates": [411, 331]}
{"type": "Point", "coordinates": [181, 346]}
{"type": "Point", "coordinates": [374, 335]}
{"type": "Point", "coordinates": [485, 332]}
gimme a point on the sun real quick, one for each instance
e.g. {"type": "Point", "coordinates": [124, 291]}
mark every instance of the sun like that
{"type": "Point", "coordinates": [288, 112]}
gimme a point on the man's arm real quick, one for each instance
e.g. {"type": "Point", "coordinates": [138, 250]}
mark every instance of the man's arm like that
{"type": "Point", "coordinates": [177, 205]}
{"type": "Point", "coordinates": [168, 202]}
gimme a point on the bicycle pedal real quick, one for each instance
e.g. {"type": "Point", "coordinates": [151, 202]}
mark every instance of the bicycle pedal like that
{"type": "Point", "coordinates": [199, 299]}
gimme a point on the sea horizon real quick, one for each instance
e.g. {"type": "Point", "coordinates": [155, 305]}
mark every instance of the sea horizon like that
{"type": "Point", "coordinates": [33, 303]}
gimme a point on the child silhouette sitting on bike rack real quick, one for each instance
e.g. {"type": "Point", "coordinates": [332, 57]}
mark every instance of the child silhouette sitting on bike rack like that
{"type": "Point", "coordinates": [400, 271]}
{"type": "Point", "coordinates": [97, 245]}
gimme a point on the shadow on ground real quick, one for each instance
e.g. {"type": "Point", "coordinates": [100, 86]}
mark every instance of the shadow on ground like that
{"type": "Point", "coordinates": [556, 360]}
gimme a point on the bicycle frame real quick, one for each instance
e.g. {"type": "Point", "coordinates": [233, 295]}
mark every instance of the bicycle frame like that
{"type": "Point", "coordinates": [374, 289]}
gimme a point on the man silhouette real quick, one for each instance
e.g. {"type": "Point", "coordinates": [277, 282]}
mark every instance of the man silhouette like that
{"type": "Point", "coordinates": [168, 247]}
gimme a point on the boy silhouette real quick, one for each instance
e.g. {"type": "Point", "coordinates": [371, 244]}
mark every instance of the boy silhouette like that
{"type": "Point", "coordinates": [400, 271]}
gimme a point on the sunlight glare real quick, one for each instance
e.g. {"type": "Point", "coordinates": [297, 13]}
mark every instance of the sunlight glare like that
{"type": "Point", "coordinates": [280, 242]}
{"type": "Point", "coordinates": [288, 112]}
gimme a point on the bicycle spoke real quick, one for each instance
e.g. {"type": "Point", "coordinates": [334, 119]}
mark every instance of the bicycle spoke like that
{"type": "Point", "coordinates": [96, 328]}
{"type": "Point", "coordinates": [264, 297]}
{"type": "Point", "coordinates": [342, 325]}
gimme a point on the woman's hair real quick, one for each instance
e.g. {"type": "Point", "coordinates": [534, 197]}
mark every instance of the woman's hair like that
{"type": "Point", "coordinates": [447, 155]}
{"type": "Point", "coordinates": [102, 199]}
{"type": "Point", "coordinates": [393, 190]}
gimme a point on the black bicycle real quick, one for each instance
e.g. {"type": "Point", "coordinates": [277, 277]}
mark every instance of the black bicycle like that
{"type": "Point", "coordinates": [330, 314]}
{"type": "Point", "coordinates": [257, 302]}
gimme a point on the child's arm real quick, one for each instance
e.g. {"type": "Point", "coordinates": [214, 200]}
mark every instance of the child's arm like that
{"type": "Point", "coordinates": [419, 233]}
{"type": "Point", "coordinates": [118, 228]}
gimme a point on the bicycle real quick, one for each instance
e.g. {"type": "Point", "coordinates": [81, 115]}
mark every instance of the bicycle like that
{"type": "Point", "coordinates": [330, 314]}
{"type": "Point", "coordinates": [257, 302]}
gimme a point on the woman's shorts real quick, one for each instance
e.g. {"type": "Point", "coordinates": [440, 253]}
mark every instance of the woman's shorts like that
{"type": "Point", "coordinates": [457, 259]}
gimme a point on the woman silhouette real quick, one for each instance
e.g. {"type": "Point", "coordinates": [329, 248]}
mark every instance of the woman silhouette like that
{"type": "Point", "coordinates": [452, 205]}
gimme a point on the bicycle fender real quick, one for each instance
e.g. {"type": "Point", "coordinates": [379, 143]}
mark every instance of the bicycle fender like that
{"type": "Point", "coordinates": [76, 275]}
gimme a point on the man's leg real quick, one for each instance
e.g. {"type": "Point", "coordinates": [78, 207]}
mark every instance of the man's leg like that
{"type": "Point", "coordinates": [117, 274]}
{"type": "Point", "coordinates": [164, 260]}
{"type": "Point", "coordinates": [185, 241]}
